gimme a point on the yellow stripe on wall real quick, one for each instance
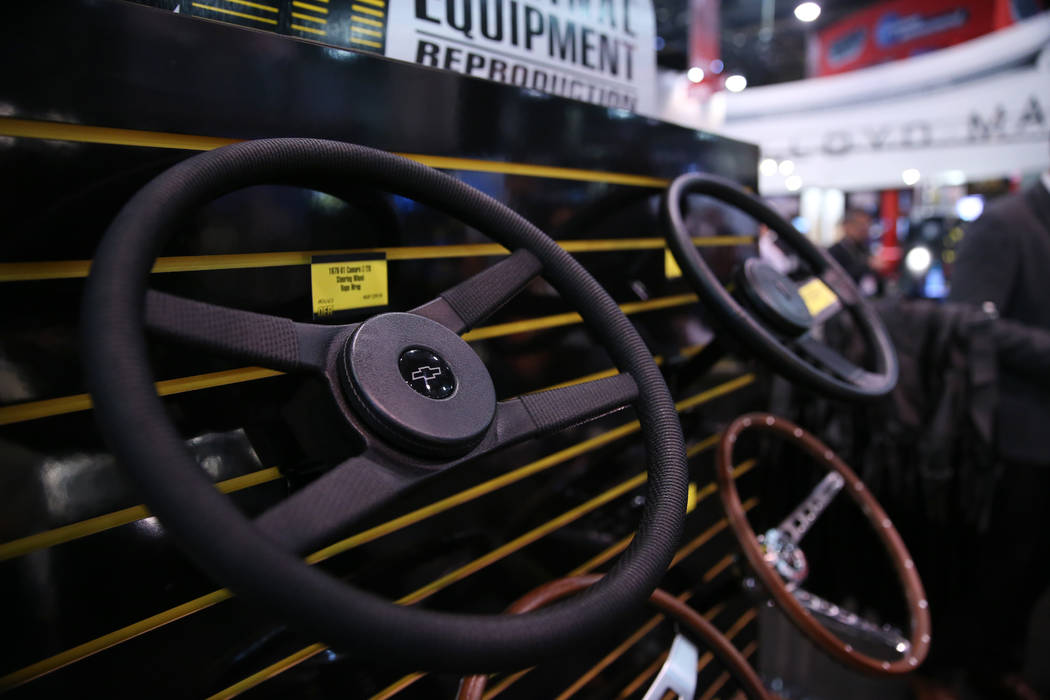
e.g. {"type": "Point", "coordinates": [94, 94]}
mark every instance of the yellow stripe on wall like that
{"type": "Point", "coordinates": [57, 131]}
{"type": "Point", "coordinates": [68, 269]}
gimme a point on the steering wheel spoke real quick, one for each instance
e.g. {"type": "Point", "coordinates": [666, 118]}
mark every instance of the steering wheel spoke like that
{"type": "Point", "coordinates": [472, 301]}
{"type": "Point", "coordinates": [834, 362]}
{"type": "Point", "coordinates": [328, 505]}
{"type": "Point", "coordinates": [839, 282]}
{"type": "Point", "coordinates": [843, 622]}
{"type": "Point", "coordinates": [272, 341]}
{"type": "Point", "coordinates": [548, 411]}
{"type": "Point", "coordinates": [797, 524]}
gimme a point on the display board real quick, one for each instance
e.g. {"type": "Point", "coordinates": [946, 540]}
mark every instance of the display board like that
{"type": "Point", "coordinates": [97, 594]}
{"type": "Point", "coordinates": [602, 52]}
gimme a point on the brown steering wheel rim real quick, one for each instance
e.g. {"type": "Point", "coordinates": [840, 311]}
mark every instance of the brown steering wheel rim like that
{"type": "Point", "coordinates": [918, 607]}
{"type": "Point", "coordinates": [473, 687]}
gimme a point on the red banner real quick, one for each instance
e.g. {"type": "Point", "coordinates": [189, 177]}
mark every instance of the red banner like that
{"type": "Point", "coordinates": [902, 28]}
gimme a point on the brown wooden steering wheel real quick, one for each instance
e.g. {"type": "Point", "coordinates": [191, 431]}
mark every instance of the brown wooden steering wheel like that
{"type": "Point", "coordinates": [473, 687]}
{"type": "Point", "coordinates": [780, 565]}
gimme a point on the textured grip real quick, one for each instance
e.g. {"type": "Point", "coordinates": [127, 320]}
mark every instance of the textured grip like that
{"type": "Point", "coordinates": [254, 337]}
{"type": "Point", "coordinates": [560, 408]}
{"type": "Point", "coordinates": [483, 294]}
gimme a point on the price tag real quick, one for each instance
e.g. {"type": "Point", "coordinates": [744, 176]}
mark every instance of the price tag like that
{"type": "Point", "coordinates": [345, 282]}
{"type": "Point", "coordinates": [817, 296]}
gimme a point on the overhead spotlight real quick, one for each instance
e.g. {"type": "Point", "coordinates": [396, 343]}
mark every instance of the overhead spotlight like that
{"type": "Point", "coordinates": [736, 83]}
{"type": "Point", "coordinates": [910, 176]}
{"type": "Point", "coordinates": [969, 208]}
{"type": "Point", "coordinates": [695, 74]}
{"type": "Point", "coordinates": [717, 66]}
{"type": "Point", "coordinates": [807, 11]}
{"type": "Point", "coordinates": [793, 183]}
{"type": "Point", "coordinates": [768, 167]}
{"type": "Point", "coordinates": [787, 167]}
{"type": "Point", "coordinates": [918, 260]}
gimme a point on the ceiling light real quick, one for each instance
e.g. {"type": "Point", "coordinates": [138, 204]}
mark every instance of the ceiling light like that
{"type": "Point", "coordinates": [787, 167]}
{"type": "Point", "coordinates": [918, 260]}
{"type": "Point", "coordinates": [736, 83]}
{"type": "Point", "coordinates": [767, 167]}
{"type": "Point", "coordinates": [793, 183]}
{"type": "Point", "coordinates": [695, 74]}
{"type": "Point", "coordinates": [910, 176]}
{"type": "Point", "coordinates": [969, 208]}
{"type": "Point", "coordinates": [807, 11]}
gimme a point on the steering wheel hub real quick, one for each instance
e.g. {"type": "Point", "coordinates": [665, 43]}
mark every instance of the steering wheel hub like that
{"type": "Point", "coordinates": [416, 382]}
{"type": "Point", "coordinates": [784, 556]}
{"type": "Point", "coordinates": [427, 373]}
{"type": "Point", "coordinates": [775, 297]}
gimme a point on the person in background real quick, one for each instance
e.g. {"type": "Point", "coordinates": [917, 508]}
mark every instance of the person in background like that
{"type": "Point", "coordinates": [853, 251]}
{"type": "Point", "coordinates": [1003, 266]}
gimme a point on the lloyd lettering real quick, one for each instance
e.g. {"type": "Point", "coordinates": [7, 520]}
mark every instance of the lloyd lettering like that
{"type": "Point", "coordinates": [1028, 121]}
{"type": "Point", "coordinates": [998, 125]}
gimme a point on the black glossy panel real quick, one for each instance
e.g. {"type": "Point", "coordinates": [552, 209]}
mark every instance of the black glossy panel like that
{"type": "Point", "coordinates": [187, 75]}
{"type": "Point", "coordinates": [115, 64]}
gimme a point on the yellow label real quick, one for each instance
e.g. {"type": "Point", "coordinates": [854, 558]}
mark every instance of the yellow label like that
{"type": "Point", "coordinates": [348, 284]}
{"type": "Point", "coordinates": [671, 269]}
{"type": "Point", "coordinates": [817, 296]}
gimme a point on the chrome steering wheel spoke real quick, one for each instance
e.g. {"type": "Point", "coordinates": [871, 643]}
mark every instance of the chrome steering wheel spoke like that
{"type": "Point", "coordinates": [797, 524]}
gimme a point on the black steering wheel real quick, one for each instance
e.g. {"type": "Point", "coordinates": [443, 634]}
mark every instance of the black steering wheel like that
{"type": "Point", "coordinates": [772, 314]}
{"type": "Point", "coordinates": [413, 426]}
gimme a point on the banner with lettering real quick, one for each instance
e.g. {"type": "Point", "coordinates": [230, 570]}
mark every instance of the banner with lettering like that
{"type": "Point", "coordinates": [973, 111]}
{"type": "Point", "coordinates": [597, 51]}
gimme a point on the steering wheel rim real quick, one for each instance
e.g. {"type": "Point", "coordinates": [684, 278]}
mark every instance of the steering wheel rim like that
{"type": "Point", "coordinates": [228, 546]}
{"type": "Point", "coordinates": [473, 687]}
{"type": "Point", "coordinates": [907, 575]}
{"type": "Point", "coordinates": [853, 382]}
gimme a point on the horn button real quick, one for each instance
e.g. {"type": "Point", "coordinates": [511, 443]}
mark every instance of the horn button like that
{"type": "Point", "coordinates": [417, 384]}
{"type": "Point", "coordinates": [775, 297]}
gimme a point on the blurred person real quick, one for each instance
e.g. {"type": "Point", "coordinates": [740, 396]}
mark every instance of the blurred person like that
{"type": "Point", "coordinates": [1003, 266]}
{"type": "Point", "coordinates": [853, 251]}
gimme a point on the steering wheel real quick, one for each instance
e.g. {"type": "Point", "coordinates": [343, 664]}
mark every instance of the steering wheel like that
{"type": "Point", "coordinates": [417, 394]}
{"type": "Point", "coordinates": [780, 564]}
{"type": "Point", "coordinates": [678, 673]}
{"type": "Point", "coordinates": [772, 314]}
